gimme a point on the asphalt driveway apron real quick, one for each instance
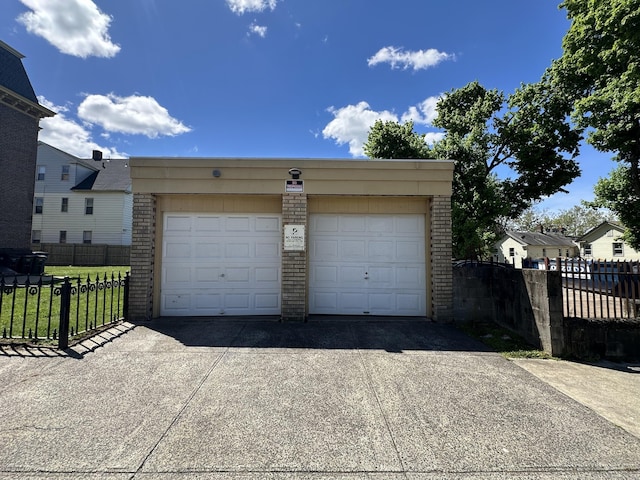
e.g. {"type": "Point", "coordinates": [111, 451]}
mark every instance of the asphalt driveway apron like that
{"type": "Point", "coordinates": [246, 399]}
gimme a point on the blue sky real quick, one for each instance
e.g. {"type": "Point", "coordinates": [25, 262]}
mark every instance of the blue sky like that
{"type": "Point", "coordinates": [271, 78]}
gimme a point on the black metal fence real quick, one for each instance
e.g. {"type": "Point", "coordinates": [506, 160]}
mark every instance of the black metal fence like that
{"type": "Point", "coordinates": [598, 289]}
{"type": "Point", "coordinates": [45, 308]}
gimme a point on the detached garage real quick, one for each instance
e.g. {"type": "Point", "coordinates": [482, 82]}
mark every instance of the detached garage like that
{"type": "Point", "coordinates": [291, 238]}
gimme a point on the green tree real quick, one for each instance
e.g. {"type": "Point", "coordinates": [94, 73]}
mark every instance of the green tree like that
{"type": "Point", "coordinates": [574, 221]}
{"type": "Point", "coordinates": [600, 71]}
{"type": "Point", "coordinates": [617, 193]}
{"type": "Point", "coordinates": [526, 134]}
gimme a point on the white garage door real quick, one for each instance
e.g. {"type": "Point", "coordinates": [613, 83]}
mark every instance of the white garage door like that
{"type": "Point", "coordinates": [220, 265]}
{"type": "Point", "coordinates": [367, 265]}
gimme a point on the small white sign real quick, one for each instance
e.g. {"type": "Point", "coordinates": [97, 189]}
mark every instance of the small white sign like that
{"type": "Point", "coordinates": [294, 237]}
{"type": "Point", "coordinates": [295, 186]}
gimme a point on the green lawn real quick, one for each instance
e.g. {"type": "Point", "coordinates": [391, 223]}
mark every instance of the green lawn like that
{"type": "Point", "coordinates": [84, 271]}
{"type": "Point", "coordinates": [34, 312]}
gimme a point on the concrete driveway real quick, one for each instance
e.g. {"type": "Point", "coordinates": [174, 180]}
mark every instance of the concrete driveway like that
{"type": "Point", "coordinates": [326, 400]}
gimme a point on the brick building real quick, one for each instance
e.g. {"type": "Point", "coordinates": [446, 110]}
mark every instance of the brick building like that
{"type": "Point", "coordinates": [20, 115]}
{"type": "Point", "coordinates": [291, 238]}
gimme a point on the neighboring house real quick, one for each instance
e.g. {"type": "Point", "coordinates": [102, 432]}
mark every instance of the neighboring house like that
{"type": "Point", "coordinates": [604, 242]}
{"type": "Point", "coordinates": [20, 116]}
{"type": "Point", "coordinates": [516, 246]}
{"type": "Point", "coordinates": [81, 201]}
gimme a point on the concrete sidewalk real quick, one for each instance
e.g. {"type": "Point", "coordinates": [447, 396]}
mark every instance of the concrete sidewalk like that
{"type": "Point", "coordinates": [222, 399]}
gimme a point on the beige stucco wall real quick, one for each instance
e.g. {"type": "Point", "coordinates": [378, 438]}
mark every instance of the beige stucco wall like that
{"type": "Point", "coordinates": [268, 176]}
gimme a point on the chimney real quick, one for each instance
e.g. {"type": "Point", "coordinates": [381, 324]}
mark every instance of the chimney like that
{"type": "Point", "coordinates": [97, 155]}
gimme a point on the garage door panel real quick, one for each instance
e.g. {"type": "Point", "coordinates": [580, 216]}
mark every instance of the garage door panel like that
{"type": "Point", "coordinates": [268, 250]}
{"type": "Point", "coordinates": [177, 224]}
{"type": "Point", "coordinates": [380, 224]}
{"type": "Point", "coordinates": [353, 249]}
{"type": "Point", "coordinates": [409, 277]}
{"type": "Point", "coordinates": [267, 275]}
{"type": "Point", "coordinates": [238, 224]}
{"type": "Point", "coordinates": [179, 275]}
{"type": "Point", "coordinates": [267, 301]}
{"type": "Point", "coordinates": [325, 302]}
{"type": "Point", "coordinates": [207, 250]}
{"type": "Point", "coordinates": [324, 275]}
{"type": "Point", "coordinates": [217, 264]}
{"type": "Point", "coordinates": [208, 274]}
{"type": "Point", "coordinates": [268, 224]}
{"type": "Point", "coordinates": [352, 224]}
{"type": "Point", "coordinates": [381, 277]}
{"type": "Point", "coordinates": [409, 251]}
{"type": "Point", "coordinates": [325, 250]}
{"type": "Point", "coordinates": [207, 224]}
{"type": "Point", "coordinates": [178, 301]}
{"type": "Point", "coordinates": [177, 250]}
{"type": "Point", "coordinates": [237, 250]}
{"type": "Point", "coordinates": [354, 303]}
{"type": "Point", "coordinates": [351, 274]}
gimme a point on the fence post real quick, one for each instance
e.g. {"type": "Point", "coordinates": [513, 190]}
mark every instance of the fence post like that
{"type": "Point", "coordinates": [65, 307]}
{"type": "Point", "coordinates": [125, 307]}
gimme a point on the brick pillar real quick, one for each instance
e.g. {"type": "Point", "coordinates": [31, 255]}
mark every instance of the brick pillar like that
{"type": "Point", "coordinates": [294, 263]}
{"type": "Point", "coordinates": [441, 252]}
{"type": "Point", "coordinates": [142, 257]}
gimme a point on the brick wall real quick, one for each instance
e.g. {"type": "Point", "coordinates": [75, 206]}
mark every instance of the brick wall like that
{"type": "Point", "coordinates": [18, 152]}
{"type": "Point", "coordinates": [294, 263]}
{"type": "Point", "coordinates": [142, 256]}
{"type": "Point", "coordinates": [441, 252]}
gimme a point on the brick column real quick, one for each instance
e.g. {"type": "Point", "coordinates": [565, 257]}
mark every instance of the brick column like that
{"type": "Point", "coordinates": [441, 252]}
{"type": "Point", "coordinates": [294, 263]}
{"type": "Point", "coordinates": [142, 257]}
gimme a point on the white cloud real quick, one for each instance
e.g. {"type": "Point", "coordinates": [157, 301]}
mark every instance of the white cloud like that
{"type": "Point", "coordinates": [243, 6]}
{"type": "Point", "coordinates": [258, 30]}
{"type": "Point", "coordinates": [68, 136]}
{"type": "Point", "coordinates": [75, 27]}
{"type": "Point", "coordinates": [132, 115]}
{"type": "Point", "coordinates": [351, 124]}
{"type": "Point", "coordinates": [422, 114]}
{"type": "Point", "coordinates": [418, 60]}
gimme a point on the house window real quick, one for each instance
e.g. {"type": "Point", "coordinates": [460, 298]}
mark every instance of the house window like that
{"type": "Point", "coordinates": [41, 171]}
{"type": "Point", "coordinates": [617, 249]}
{"type": "Point", "coordinates": [88, 206]}
{"type": "Point", "coordinates": [63, 236]}
{"type": "Point", "coordinates": [86, 237]}
{"type": "Point", "coordinates": [587, 250]}
{"type": "Point", "coordinates": [39, 204]}
{"type": "Point", "coordinates": [560, 252]}
{"type": "Point", "coordinates": [64, 206]}
{"type": "Point", "coordinates": [544, 252]}
{"type": "Point", "coordinates": [36, 236]}
{"type": "Point", "coordinates": [65, 172]}
{"type": "Point", "coordinates": [512, 252]}
{"type": "Point", "coordinates": [567, 253]}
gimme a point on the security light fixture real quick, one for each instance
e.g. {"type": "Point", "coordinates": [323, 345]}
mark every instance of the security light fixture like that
{"type": "Point", "coordinates": [295, 173]}
{"type": "Point", "coordinates": [217, 173]}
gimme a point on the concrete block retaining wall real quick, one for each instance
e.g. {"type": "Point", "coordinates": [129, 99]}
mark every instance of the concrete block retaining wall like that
{"type": "Point", "coordinates": [529, 303]}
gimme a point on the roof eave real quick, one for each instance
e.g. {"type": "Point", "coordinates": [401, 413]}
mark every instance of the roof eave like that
{"type": "Point", "coordinates": [22, 104]}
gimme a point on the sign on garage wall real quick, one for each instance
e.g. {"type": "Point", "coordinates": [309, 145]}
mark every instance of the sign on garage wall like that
{"type": "Point", "coordinates": [294, 238]}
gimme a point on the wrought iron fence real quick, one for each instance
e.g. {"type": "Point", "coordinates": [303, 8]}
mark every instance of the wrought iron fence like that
{"type": "Point", "coordinates": [40, 308]}
{"type": "Point", "coordinates": [598, 289]}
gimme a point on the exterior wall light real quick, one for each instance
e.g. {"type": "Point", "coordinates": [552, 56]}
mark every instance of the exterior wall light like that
{"type": "Point", "coordinates": [295, 173]}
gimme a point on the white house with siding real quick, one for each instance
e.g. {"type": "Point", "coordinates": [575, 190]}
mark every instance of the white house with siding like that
{"type": "Point", "coordinates": [604, 242]}
{"type": "Point", "coordinates": [81, 201]}
{"type": "Point", "coordinates": [513, 247]}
